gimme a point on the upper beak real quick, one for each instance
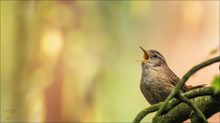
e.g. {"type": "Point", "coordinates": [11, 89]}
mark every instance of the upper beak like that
{"type": "Point", "coordinates": [146, 55]}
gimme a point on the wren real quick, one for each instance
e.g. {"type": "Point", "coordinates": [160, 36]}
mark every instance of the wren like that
{"type": "Point", "coordinates": [157, 78]}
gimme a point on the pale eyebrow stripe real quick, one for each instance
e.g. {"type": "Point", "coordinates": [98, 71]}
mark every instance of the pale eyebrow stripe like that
{"type": "Point", "coordinates": [159, 55]}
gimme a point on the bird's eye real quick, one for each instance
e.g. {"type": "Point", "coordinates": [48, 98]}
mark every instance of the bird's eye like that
{"type": "Point", "coordinates": [155, 56]}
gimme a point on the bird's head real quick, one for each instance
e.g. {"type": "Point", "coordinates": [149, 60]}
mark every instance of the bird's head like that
{"type": "Point", "coordinates": [152, 59]}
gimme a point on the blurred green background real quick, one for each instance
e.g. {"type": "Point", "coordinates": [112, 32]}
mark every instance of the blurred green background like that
{"type": "Point", "coordinates": [75, 61]}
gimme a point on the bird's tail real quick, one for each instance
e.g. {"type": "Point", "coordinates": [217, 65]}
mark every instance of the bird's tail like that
{"type": "Point", "coordinates": [190, 87]}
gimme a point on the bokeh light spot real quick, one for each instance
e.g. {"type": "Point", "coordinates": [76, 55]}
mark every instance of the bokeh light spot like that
{"type": "Point", "coordinates": [52, 42]}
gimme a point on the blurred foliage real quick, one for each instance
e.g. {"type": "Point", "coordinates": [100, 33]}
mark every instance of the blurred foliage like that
{"type": "Point", "coordinates": [216, 83]}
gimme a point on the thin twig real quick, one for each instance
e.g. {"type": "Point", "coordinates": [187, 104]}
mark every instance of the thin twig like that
{"type": "Point", "coordinates": [146, 111]}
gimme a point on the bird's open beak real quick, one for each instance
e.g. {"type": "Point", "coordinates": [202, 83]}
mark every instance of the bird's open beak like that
{"type": "Point", "coordinates": [146, 55]}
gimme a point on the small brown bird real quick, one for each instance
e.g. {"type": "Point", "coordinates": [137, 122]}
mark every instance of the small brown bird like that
{"type": "Point", "coordinates": [157, 78]}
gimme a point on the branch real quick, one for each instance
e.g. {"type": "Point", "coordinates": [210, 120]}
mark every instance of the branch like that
{"type": "Point", "coordinates": [181, 83]}
{"type": "Point", "coordinates": [206, 91]}
{"type": "Point", "coordinates": [199, 114]}
{"type": "Point", "coordinates": [209, 105]}
{"type": "Point", "coordinates": [146, 111]}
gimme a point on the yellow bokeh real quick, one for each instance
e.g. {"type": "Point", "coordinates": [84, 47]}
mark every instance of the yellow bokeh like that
{"type": "Point", "coordinates": [52, 42]}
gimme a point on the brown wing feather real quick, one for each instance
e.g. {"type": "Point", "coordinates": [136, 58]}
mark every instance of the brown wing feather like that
{"type": "Point", "coordinates": [175, 79]}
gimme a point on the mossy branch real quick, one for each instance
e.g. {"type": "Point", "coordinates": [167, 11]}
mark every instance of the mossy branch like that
{"type": "Point", "coordinates": [175, 94]}
{"type": "Point", "coordinates": [181, 83]}
{"type": "Point", "coordinates": [208, 105]}
{"type": "Point", "coordinates": [200, 92]}
{"type": "Point", "coordinates": [196, 110]}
